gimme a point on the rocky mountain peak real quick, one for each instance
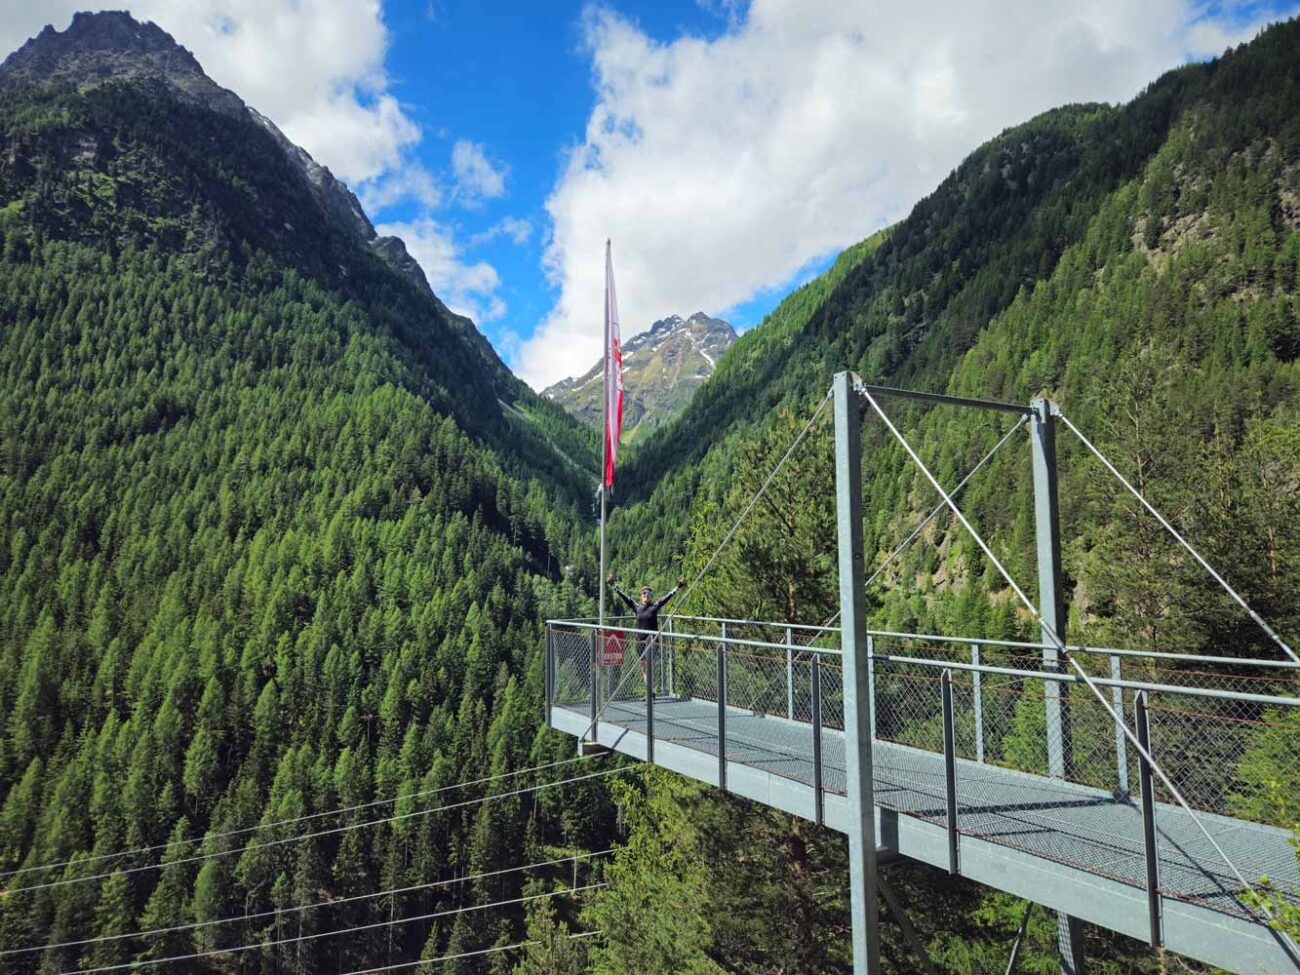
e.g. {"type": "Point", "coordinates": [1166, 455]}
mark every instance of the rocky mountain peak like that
{"type": "Point", "coordinates": [111, 45]}
{"type": "Point", "coordinates": [662, 368]}
{"type": "Point", "coordinates": [108, 30]}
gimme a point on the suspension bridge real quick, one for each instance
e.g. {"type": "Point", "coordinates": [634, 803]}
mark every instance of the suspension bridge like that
{"type": "Point", "coordinates": [1111, 786]}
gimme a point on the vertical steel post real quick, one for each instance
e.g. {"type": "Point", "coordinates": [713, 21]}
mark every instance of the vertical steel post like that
{"type": "Point", "coordinates": [1121, 743]}
{"type": "Point", "coordinates": [789, 673]}
{"type": "Point", "coordinates": [650, 642]}
{"type": "Point", "coordinates": [864, 909]}
{"type": "Point", "coordinates": [596, 639]}
{"type": "Point", "coordinates": [819, 799]}
{"type": "Point", "coordinates": [1051, 610]}
{"type": "Point", "coordinates": [550, 672]}
{"type": "Point", "coordinates": [1051, 596]}
{"type": "Point", "coordinates": [871, 680]}
{"type": "Point", "coordinates": [1143, 731]}
{"type": "Point", "coordinates": [671, 674]}
{"type": "Point", "coordinates": [979, 704]}
{"type": "Point", "coordinates": [949, 769]}
{"type": "Point", "coordinates": [722, 710]}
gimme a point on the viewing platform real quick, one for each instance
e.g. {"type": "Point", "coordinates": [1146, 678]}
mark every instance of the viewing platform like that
{"type": "Point", "coordinates": [960, 753]}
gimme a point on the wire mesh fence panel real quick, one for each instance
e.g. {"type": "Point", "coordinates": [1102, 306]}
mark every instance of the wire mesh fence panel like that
{"type": "Point", "coordinates": [688, 715]}
{"type": "Point", "coordinates": [695, 669]}
{"type": "Point", "coordinates": [760, 732]}
{"type": "Point", "coordinates": [908, 704]}
{"type": "Point", "coordinates": [1229, 756]}
{"type": "Point", "coordinates": [572, 655]}
{"type": "Point", "coordinates": [832, 680]}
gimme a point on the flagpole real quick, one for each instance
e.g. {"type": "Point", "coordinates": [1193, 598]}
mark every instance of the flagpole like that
{"type": "Point", "coordinates": [604, 468]}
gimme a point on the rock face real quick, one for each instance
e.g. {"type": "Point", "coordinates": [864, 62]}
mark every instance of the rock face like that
{"type": "Point", "coordinates": [111, 46]}
{"type": "Point", "coordinates": [662, 368]}
{"type": "Point", "coordinates": [99, 47]}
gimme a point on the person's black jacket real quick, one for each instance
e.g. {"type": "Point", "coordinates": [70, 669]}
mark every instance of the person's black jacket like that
{"type": "Point", "coordinates": [647, 614]}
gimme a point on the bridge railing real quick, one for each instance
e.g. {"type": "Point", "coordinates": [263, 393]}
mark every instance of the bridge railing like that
{"type": "Point", "coordinates": [1227, 732]}
{"type": "Point", "coordinates": [1228, 712]}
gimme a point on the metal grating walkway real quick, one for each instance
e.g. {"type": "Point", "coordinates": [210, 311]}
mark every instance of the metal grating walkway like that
{"type": "Point", "coordinates": [1060, 821]}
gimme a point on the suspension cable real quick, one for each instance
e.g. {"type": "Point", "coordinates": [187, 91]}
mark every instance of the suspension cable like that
{"type": "Point", "coordinates": [316, 935]}
{"type": "Point", "coordinates": [302, 908]}
{"type": "Point", "coordinates": [750, 507]}
{"type": "Point", "coordinates": [243, 831]}
{"type": "Point", "coordinates": [468, 954]}
{"type": "Point", "coordinates": [1065, 652]}
{"type": "Point", "coordinates": [935, 512]}
{"type": "Point", "coordinates": [1263, 625]}
{"type": "Point", "coordinates": [334, 830]}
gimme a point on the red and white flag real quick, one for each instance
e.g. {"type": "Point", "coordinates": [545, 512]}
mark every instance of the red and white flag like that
{"type": "Point", "coordinates": [613, 374]}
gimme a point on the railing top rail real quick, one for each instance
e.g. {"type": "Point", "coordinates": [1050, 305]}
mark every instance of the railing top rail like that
{"type": "Point", "coordinates": [1154, 654]}
{"type": "Point", "coordinates": [768, 623]}
{"type": "Point", "coordinates": [983, 668]}
{"type": "Point", "coordinates": [704, 637]}
{"type": "Point", "coordinates": [1069, 678]}
{"type": "Point", "coordinates": [1015, 644]}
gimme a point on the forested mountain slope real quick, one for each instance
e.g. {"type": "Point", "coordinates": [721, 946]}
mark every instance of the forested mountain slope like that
{"type": "Point", "coordinates": [272, 543]}
{"type": "Point", "coordinates": [1140, 265]}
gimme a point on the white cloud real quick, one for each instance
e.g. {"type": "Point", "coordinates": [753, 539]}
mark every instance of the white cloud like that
{"type": "Point", "coordinates": [411, 182]}
{"type": "Point", "coordinates": [721, 167]}
{"type": "Point", "coordinates": [1209, 38]}
{"type": "Point", "coordinates": [314, 67]}
{"type": "Point", "coordinates": [467, 289]}
{"type": "Point", "coordinates": [477, 179]}
{"type": "Point", "coordinates": [516, 229]}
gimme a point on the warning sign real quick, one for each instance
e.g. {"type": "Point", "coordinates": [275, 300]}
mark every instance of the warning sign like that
{"type": "Point", "coordinates": [611, 648]}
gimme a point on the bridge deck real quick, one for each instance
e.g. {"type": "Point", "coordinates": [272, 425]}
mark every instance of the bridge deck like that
{"type": "Point", "coordinates": [1074, 826]}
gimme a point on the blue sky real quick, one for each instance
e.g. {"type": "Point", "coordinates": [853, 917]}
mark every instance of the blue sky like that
{"type": "Point", "coordinates": [730, 148]}
{"type": "Point", "coordinates": [515, 79]}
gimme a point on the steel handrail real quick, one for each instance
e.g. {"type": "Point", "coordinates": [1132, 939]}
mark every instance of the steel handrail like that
{"type": "Point", "coordinates": [1067, 678]}
{"type": "Point", "coordinates": [1016, 644]}
{"type": "Point", "coordinates": [962, 640]}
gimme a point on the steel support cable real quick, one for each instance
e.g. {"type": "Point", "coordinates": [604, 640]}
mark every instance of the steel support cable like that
{"type": "Point", "coordinates": [332, 831]}
{"type": "Point", "coordinates": [316, 935]}
{"type": "Point", "coordinates": [244, 831]}
{"type": "Point", "coordinates": [753, 501]}
{"type": "Point", "coordinates": [467, 954]}
{"type": "Point", "coordinates": [1263, 625]}
{"type": "Point", "coordinates": [1065, 651]}
{"type": "Point", "coordinates": [301, 908]}
{"type": "Point", "coordinates": [935, 513]}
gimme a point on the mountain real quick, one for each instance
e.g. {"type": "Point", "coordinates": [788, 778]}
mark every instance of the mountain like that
{"type": "Point", "coordinates": [278, 532]}
{"type": "Point", "coordinates": [113, 47]}
{"type": "Point", "coordinates": [662, 368]}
